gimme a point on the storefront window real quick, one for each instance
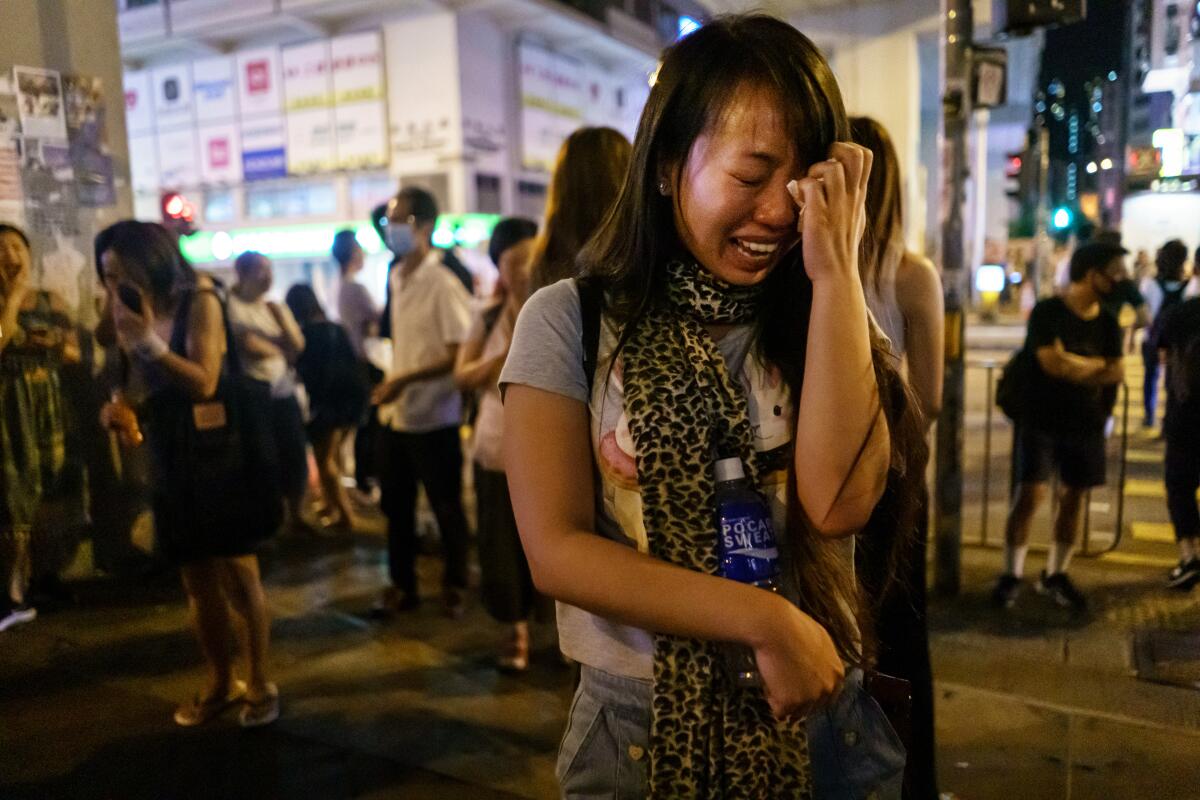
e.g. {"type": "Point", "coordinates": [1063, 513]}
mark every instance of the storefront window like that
{"type": "Point", "coordinates": [218, 205]}
{"type": "Point", "coordinates": [293, 201]}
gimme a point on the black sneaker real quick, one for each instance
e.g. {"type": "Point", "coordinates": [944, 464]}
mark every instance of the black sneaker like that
{"type": "Point", "coordinates": [1004, 595]}
{"type": "Point", "coordinates": [1062, 591]}
{"type": "Point", "coordinates": [1185, 575]}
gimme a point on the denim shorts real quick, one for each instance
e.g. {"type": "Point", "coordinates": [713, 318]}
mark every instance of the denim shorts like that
{"type": "Point", "coordinates": [604, 752]}
{"type": "Point", "coordinates": [855, 753]}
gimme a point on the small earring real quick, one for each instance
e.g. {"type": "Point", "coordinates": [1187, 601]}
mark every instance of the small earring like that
{"type": "Point", "coordinates": [662, 188]}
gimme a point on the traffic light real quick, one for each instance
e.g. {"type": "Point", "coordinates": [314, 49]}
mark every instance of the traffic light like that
{"type": "Point", "coordinates": [1061, 218]}
{"type": "Point", "coordinates": [178, 214]}
{"type": "Point", "coordinates": [1013, 166]}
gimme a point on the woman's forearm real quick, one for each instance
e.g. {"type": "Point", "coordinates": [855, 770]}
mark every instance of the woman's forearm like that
{"type": "Point", "coordinates": [842, 439]}
{"type": "Point", "coordinates": [619, 583]}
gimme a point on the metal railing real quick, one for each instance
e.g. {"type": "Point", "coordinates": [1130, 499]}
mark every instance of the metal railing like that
{"type": "Point", "coordinates": [991, 365]}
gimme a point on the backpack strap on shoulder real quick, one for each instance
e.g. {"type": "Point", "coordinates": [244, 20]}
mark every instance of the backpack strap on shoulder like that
{"type": "Point", "coordinates": [591, 302]}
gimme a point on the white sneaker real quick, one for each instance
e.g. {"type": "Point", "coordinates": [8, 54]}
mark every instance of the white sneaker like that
{"type": "Point", "coordinates": [17, 615]}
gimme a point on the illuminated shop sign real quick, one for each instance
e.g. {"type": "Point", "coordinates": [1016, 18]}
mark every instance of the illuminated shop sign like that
{"type": "Point", "coordinates": [314, 241]}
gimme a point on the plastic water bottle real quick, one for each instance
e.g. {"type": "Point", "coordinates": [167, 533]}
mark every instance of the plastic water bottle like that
{"type": "Point", "coordinates": [747, 550]}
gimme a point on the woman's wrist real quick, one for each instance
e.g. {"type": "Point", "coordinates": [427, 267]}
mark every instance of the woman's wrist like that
{"type": "Point", "coordinates": [148, 347]}
{"type": "Point", "coordinates": [763, 613]}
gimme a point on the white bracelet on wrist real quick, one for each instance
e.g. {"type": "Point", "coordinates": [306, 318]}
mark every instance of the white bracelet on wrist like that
{"type": "Point", "coordinates": [150, 347]}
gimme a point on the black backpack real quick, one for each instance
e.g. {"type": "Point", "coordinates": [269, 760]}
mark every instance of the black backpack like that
{"type": "Point", "coordinates": [1015, 385]}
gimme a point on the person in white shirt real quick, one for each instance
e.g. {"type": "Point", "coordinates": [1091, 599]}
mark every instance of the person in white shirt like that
{"type": "Point", "coordinates": [420, 406]}
{"type": "Point", "coordinates": [268, 343]}
{"type": "Point", "coordinates": [360, 317]}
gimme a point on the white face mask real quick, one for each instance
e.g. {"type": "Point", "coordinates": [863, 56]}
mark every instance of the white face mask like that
{"type": "Point", "coordinates": [400, 238]}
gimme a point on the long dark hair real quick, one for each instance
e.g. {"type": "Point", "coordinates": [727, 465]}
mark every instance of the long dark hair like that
{"type": "Point", "coordinates": [151, 258]}
{"type": "Point", "coordinates": [302, 301]}
{"type": "Point", "coordinates": [883, 241]}
{"type": "Point", "coordinates": [638, 237]}
{"type": "Point", "coordinates": [588, 175]}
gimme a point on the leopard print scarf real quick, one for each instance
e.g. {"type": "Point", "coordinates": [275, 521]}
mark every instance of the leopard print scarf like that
{"type": "Point", "coordinates": [707, 738]}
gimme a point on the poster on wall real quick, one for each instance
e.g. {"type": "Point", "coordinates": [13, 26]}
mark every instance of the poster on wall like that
{"type": "Point", "coordinates": [359, 91]}
{"type": "Point", "coordinates": [10, 117]}
{"type": "Point", "coordinates": [310, 140]}
{"type": "Point", "coordinates": [553, 102]}
{"type": "Point", "coordinates": [139, 111]}
{"type": "Point", "coordinates": [177, 167]}
{"type": "Point", "coordinates": [220, 153]}
{"type": "Point", "coordinates": [87, 137]}
{"type": "Point", "coordinates": [264, 153]}
{"type": "Point", "coordinates": [47, 181]}
{"type": "Point", "coordinates": [362, 136]}
{"type": "Point", "coordinates": [12, 197]}
{"type": "Point", "coordinates": [307, 79]}
{"type": "Point", "coordinates": [172, 96]}
{"type": "Point", "coordinates": [214, 88]}
{"type": "Point", "coordinates": [357, 62]}
{"type": "Point", "coordinates": [143, 164]}
{"type": "Point", "coordinates": [308, 98]}
{"type": "Point", "coordinates": [258, 82]}
{"type": "Point", "coordinates": [40, 102]}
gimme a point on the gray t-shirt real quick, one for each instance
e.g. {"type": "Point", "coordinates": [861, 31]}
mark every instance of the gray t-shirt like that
{"type": "Point", "coordinates": [547, 354]}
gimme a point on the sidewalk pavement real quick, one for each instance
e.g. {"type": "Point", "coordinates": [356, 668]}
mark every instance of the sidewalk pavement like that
{"type": "Point", "coordinates": [1031, 704]}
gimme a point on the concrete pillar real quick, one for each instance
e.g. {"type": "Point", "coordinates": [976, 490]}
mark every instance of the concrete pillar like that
{"type": "Point", "coordinates": [75, 36]}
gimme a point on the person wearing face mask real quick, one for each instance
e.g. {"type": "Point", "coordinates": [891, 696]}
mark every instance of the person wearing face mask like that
{"type": "Point", "coordinates": [427, 317]}
{"type": "Point", "coordinates": [393, 224]}
{"type": "Point", "coordinates": [269, 342]}
{"type": "Point", "coordinates": [1076, 346]}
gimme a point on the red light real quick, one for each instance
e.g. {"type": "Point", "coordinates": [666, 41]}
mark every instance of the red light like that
{"type": "Point", "coordinates": [174, 206]}
{"type": "Point", "coordinates": [1014, 164]}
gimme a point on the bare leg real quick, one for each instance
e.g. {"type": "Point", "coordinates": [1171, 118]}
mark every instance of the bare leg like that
{"type": "Point", "coordinates": [1016, 531]}
{"type": "Point", "coordinates": [244, 587]}
{"type": "Point", "coordinates": [211, 623]}
{"type": "Point", "coordinates": [1066, 528]}
{"type": "Point", "coordinates": [327, 452]}
{"type": "Point", "coordinates": [16, 558]}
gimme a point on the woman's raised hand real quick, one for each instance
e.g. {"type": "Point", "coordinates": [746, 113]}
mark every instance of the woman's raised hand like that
{"type": "Point", "coordinates": [801, 669]}
{"type": "Point", "coordinates": [832, 198]}
{"type": "Point", "coordinates": [131, 326]}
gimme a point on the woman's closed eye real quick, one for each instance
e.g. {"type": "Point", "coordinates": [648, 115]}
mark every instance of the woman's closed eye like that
{"type": "Point", "coordinates": [748, 180]}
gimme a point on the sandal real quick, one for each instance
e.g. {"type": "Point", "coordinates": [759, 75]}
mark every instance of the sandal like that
{"type": "Point", "coordinates": [261, 712]}
{"type": "Point", "coordinates": [200, 710]}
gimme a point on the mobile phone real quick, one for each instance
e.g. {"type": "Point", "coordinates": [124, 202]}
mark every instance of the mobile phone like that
{"type": "Point", "coordinates": [131, 297]}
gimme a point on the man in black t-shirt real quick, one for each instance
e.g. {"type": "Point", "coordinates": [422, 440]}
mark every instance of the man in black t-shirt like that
{"type": "Point", "coordinates": [1076, 346]}
{"type": "Point", "coordinates": [1179, 339]}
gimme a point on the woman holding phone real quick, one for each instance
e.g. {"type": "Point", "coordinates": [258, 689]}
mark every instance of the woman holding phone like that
{"type": "Point", "coordinates": [36, 338]}
{"type": "Point", "coordinates": [170, 324]}
{"type": "Point", "coordinates": [733, 325]}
